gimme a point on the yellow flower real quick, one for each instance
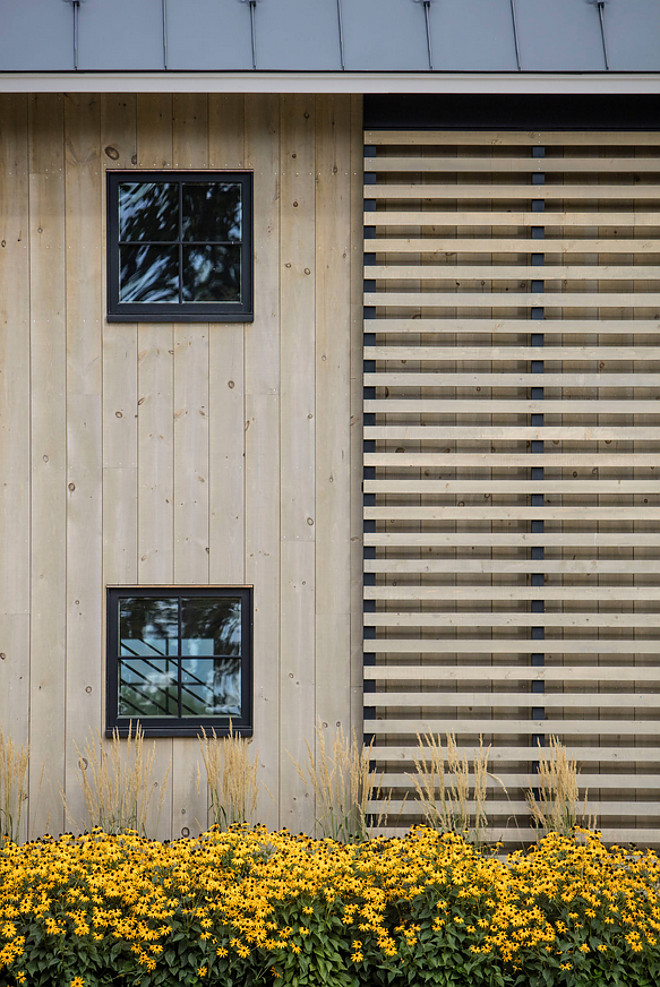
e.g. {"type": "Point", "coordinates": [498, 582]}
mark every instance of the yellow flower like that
{"type": "Point", "coordinates": [77, 982]}
{"type": "Point", "coordinates": [202, 971]}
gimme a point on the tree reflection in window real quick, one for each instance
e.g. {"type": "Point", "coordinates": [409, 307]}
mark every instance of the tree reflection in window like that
{"type": "Point", "coordinates": [180, 656]}
{"type": "Point", "coordinates": [180, 241]}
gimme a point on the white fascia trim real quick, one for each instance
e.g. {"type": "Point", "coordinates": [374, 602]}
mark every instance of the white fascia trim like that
{"type": "Point", "coordinates": [568, 83]}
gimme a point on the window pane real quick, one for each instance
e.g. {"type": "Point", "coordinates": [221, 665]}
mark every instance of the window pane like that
{"type": "Point", "coordinates": [148, 628]}
{"type": "Point", "coordinates": [148, 688]}
{"type": "Point", "coordinates": [211, 274]}
{"type": "Point", "coordinates": [210, 687]}
{"type": "Point", "coordinates": [212, 213]}
{"type": "Point", "coordinates": [210, 626]}
{"type": "Point", "coordinates": [148, 211]}
{"type": "Point", "coordinates": [148, 274]}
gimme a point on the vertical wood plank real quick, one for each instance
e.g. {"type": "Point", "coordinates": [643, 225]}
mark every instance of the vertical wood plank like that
{"type": "Point", "coordinates": [191, 461]}
{"type": "Point", "coordinates": [119, 143]}
{"type": "Point", "coordinates": [155, 410]}
{"type": "Point", "coordinates": [48, 501]}
{"type": "Point", "coordinates": [154, 130]}
{"type": "Point", "coordinates": [333, 410]}
{"type": "Point", "coordinates": [155, 384]}
{"type": "Point", "coordinates": [262, 444]}
{"type": "Point", "coordinates": [297, 457]}
{"type": "Point", "coordinates": [84, 301]}
{"type": "Point", "coordinates": [191, 464]}
{"type": "Point", "coordinates": [356, 331]}
{"type": "Point", "coordinates": [226, 382]}
{"type": "Point", "coordinates": [14, 423]}
{"type": "Point", "coordinates": [226, 112]}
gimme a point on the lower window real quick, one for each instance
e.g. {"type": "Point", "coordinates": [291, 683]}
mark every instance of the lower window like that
{"type": "Point", "coordinates": [179, 660]}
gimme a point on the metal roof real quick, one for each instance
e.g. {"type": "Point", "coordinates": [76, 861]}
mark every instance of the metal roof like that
{"type": "Point", "coordinates": [330, 36]}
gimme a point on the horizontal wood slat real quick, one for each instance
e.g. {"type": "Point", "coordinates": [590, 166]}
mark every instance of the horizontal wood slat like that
{"type": "Point", "coordinates": [511, 299]}
{"type": "Point", "coordinates": [511, 673]}
{"type": "Point", "coordinates": [524, 324]}
{"type": "Point", "coordinates": [508, 727]}
{"type": "Point", "coordinates": [502, 272]}
{"type": "Point", "coordinates": [438, 460]}
{"type": "Point", "coordinates": [510, 538]}
{"type": "Point", "coordinates": [564, 220]}
{"type": "Point", "coordinates": [447, 378]}
{"type": "Point", "coordinates": [511, 700]}
{"type": "Point", "coordinates": [618, 782]}
{"type": "Point", "coordinates": [439, 512]}
{"type": "Point", "coordinates": [515, 163]}
{"type": "Point", "coordinates": [495, 139]}
{"type": "Point", "coordinates": [512, 433]}
{"type": "Point", "coordinates": [471, 592]}
{"type": "Point", "coordinates": [445, 244]}
{"type": "Point", "coordinates": [621, 754]}
{"type": "Point", "coordinates": [485, 566]}
{"type": "Point", "coordinates": [455, 192]}
{"type": "Point", "coordinates": [520, 646]}
{"type": "Point", "coordinates": [593, 406]}
{"type": "Point", "coordinates": [487, 618]}
{"type": "Point", "coordinates": [511, 459]}
{"type": "Point", "coordinates": [423, 353]}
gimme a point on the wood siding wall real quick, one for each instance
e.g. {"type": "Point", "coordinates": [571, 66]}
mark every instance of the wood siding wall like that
{"type": "Point", "coordinates": [178, 454]}
{"type": "Point", "coordinates": [512, 444]}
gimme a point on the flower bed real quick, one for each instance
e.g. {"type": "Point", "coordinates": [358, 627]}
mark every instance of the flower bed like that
{"type": "Point", "coordinates": [249, 908]}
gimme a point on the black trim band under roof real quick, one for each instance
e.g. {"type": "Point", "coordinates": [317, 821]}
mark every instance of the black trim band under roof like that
{"type": "Point", "coordinates": [511, 112]}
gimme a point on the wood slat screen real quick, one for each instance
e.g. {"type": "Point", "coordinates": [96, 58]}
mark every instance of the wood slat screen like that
{"type": "Point", "coordinates": [512, 446]}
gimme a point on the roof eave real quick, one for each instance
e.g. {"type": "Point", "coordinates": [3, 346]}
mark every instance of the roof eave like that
{"type": "Point", "coordinates": [569, 83]}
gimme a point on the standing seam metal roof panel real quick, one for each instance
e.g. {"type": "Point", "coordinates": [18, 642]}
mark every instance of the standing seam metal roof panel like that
{"type": "Point", "coordinates": [301, 34]}
{"type": "Point", "coordinates": [559, 36]}
{"type": "Point", "coordinates": [36, 36]}
{"type": "Point", "coordinates": [120, 35]}
{"type": "Point", "coordinates": [208, 35]}
{"type": "Point", "coordinates": [384, 36]}
{"type": "Point", "coordinates": [632, 33]}
{"type": "Point", "coordinates": [472, 36]}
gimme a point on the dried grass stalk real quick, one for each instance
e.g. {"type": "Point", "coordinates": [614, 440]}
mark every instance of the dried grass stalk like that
{"type": "Point", "coordinates": [554, 801]}
{"type": "Point", "coordinates": [117, 781]}
{"type": "Point", "coordinates": [344, 785]}
{"type": "Point", "coordinates": [231, 777]}
{"type": "Point", "coordinates": [13, 787]}
{"type": "Point", "coordinates": [449, 801]}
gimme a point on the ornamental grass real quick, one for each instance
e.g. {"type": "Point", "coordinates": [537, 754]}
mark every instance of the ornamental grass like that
{"type": "Point", "coordinates": [248, 908]}
{"type": "Point", "coordinates": [117, 781]}
{"type": "Point", "coordinates": [13, 786]}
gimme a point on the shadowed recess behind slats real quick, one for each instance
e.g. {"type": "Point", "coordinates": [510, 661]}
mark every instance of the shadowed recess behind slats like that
{"type": "Point", "coordinates": [512, 441]}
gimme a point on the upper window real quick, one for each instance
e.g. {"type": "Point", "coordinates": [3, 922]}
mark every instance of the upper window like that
{"type": "Point", "coordinates": [178, 660]}
{"type": "Point", "coordinates": [179, 246]}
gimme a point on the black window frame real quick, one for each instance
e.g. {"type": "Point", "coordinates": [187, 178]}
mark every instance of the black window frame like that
{"type": "Point", "coordinates": [175, 726]}
{"type": "Point", "coordinates": [181, 311]}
